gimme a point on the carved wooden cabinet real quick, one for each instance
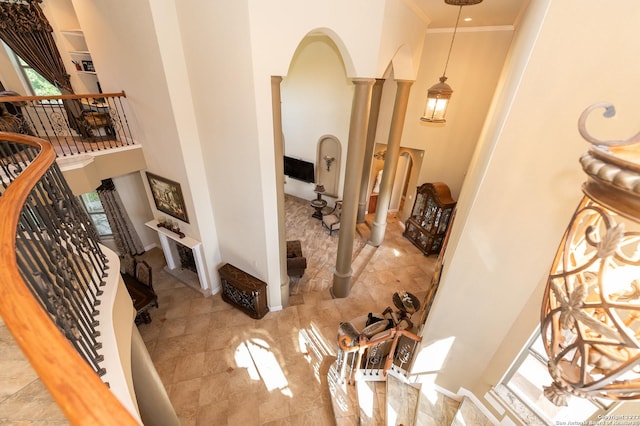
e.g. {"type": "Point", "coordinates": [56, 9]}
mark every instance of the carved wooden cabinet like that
{"type": "Point", "coordinates": [430, 216]}
{"type": "Point", "coordinates": [243, 291]}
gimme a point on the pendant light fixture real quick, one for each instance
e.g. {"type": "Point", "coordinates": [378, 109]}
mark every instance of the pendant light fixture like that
{"type": "Point", "coordinates": [439, 94]}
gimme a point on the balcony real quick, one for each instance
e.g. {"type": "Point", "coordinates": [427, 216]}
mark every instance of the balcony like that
{"type": "Point", "coordinates": [91, 134]}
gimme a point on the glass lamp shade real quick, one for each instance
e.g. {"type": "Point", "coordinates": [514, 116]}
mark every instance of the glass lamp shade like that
{"type": "Point", "coordinates": [591, 308]}
{"type": "Point", "coordinates": [590, 318]}
{"type": "Point", "coordinates": [437, 101]}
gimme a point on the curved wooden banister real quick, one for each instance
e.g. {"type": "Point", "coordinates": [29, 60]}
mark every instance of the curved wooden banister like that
{"type": "Point", "coordinates": [73, 384]}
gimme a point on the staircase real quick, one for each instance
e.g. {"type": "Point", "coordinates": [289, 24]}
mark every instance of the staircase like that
{"type": "Point", "coordinates": [377, 399]}
{"type": "Point", "coordinates": [394, 402]}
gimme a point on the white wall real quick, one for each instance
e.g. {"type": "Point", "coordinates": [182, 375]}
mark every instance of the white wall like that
{"type": "Point", "coordinates": [147, 64]}
{"type": "Point", "coordinates": [474, 68]}
{"type": "Point", "coordinates": [525, 181]}
{"type": "Point", "coordinates": [316, 101]}
{"type": "Point", "coordinates": [197, 76]}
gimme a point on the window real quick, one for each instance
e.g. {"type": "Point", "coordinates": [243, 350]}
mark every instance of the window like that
{"type": "Point", "coordinates": [93, 206]}
{"type": "Point", "coordinates": [527, 377]}
{"type": "Point", "coordinates": [34, 83]}
{"type": "Point", "coordinates": [38, 85]}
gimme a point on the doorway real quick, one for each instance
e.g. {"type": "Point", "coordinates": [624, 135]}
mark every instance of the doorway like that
{"type": "Point", "coordinates": [401, 182]}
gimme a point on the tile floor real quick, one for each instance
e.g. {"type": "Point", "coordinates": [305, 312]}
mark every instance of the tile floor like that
{"type": "Point", "coordinates": [221, 367]}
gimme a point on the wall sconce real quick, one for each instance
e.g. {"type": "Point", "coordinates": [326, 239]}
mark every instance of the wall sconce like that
{"type": "Point", "coordinates": [590, 319]}
{"type": "Point", "coordinates": [328, 160]}
{"type": "Point", "coordinates": [439, 94]}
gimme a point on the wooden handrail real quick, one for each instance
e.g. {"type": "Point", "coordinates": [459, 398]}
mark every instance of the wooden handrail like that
{"type": "Point", "coordinates": [77, 389]}
{"type": "Point", "coordinates": [74, 96]}
{"type": "Point", "coordinates": [392, 333]}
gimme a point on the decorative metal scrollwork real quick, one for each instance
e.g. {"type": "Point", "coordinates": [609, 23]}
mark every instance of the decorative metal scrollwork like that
{"type": "Point", "coordinates": [609, 111]}
{"type": "Point", "coordinates": [59, 124]}
{"type": "Point", "coordinates": [404, 353]}
{"type": "Point", "coordinates": [375, 355]}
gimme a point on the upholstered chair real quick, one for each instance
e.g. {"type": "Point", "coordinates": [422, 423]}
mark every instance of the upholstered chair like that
{"type": "Point", "coordinates": [331, 220]}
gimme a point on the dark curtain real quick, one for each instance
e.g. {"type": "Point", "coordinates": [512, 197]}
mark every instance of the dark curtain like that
{"type": "Point", "coordinates": [25, 29]}
{"type": "Point", "coordinates": [125, 235]}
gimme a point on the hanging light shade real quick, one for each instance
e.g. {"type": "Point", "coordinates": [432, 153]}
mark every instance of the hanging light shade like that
{"type": "Point", "coordinates": [590, 319]}
{"type": "Point", "coordinates": [439, 94]}
{"type": "Point", "coordinates": [437, 101]}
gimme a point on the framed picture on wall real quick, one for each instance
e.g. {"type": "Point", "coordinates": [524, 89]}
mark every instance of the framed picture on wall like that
{"type": "Point", "coordinates": [168, 196]}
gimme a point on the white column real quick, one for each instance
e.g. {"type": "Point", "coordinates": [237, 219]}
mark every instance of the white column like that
{"type": "Point", "coordinates": [390, 162]}
{"type": "Point", "coordinates": [353, 176]}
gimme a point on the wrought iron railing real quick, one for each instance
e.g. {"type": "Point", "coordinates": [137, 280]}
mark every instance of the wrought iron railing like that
{"type": "Point", "coordinates": [73, 124]}
{"type": "Point", "coordinates": [371, 359]}
{"type": "Point", "coordinates": [52, 271]}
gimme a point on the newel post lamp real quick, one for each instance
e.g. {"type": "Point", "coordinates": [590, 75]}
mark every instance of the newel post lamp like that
{"type": "Point", "coordinates": [590, 318]}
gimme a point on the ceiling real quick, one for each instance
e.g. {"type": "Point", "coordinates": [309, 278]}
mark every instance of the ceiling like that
{"type": "Point", "coordinates": [487, 13]}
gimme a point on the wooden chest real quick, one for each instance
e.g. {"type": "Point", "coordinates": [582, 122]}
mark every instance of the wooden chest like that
{"type": "Point", "coordinates": [243, 291]}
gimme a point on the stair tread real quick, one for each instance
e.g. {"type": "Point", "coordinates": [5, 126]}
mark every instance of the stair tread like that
{"type": "Point", "coordinates": [401, 402]}
{"type": "Point", "coordinates": [469, 414]}
{"type": "Point", "coordinates": [371, 401]}
{"type": "Point", "coordinates": [435, 408]}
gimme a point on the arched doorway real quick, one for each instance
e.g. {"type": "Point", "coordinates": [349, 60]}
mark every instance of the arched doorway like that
{"type": "Point", "coordinates": [401, 182]}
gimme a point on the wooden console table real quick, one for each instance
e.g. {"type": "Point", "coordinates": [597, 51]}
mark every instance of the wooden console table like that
{"type": "Point", "coordinates": [243, 291]}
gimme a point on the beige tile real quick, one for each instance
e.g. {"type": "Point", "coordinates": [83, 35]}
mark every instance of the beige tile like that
{"type": "Point", "coordinates": [275, 408]}
{"type": "Point", "coordinates": [243, 412]}
{"type": "Point", "coordinates": [321, 416]}
{"type": "Point", "coordinates": [243, 382]}
{"type": "Point", "coordinates": [216, 413]}
{"type": "Point", "coordinates": [199, 344]}
{"type": "Point", "coordinates": [178, 309]}
{"type": "Point", "coordinates": [198, 323]}
{"type": "Point", "coordinates": [214, 388]}
{"type": "Point", "coordinates": [224, 337]}
{"type": "Point", "coordinates": [189, 367]}
{"type": "Point", "coordinates": [31, 404]}
{"type": "Point", "coordinates": [178, 346]}
{"type": "Point", "coordinates": [14, 376]}
{"type": "Point", "coordinates": [280, 422]}
{"type": "Point", "coordinates": [218, 361]}
{"type": "Point", "coordinates": [173, 327]}
{"type": "Point", "coordinates": [201, 305]}
{"type": "Point", "coordinates": [185, 397]}
{"type": "Point", "coordinates": [166, 369]}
